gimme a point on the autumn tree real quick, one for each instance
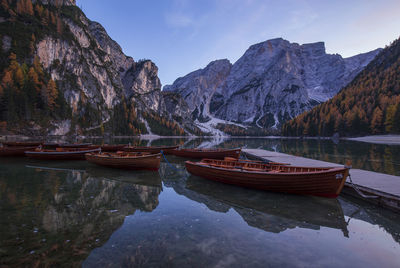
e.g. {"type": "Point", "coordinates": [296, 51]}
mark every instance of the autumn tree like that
{"type": "Point", "coordinates": [377, 120]}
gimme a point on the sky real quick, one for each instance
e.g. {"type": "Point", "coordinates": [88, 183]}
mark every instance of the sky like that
{"type": "Point", "coordinates": [181, 36]}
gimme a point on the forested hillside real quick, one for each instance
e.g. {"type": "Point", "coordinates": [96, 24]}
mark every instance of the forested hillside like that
{"type": "Point", "coordinates": [60, 74]}
{"type": "Point", "coordinates": [27, 92]}
{"type": "Point", "coordinates": [370, 104]}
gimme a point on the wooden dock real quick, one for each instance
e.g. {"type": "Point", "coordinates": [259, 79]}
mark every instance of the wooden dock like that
{"type": "Point", "coordinates": [385, 187]}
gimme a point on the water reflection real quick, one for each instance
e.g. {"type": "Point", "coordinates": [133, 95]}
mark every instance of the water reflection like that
{"type": "Point", "coordinates": [57, 215]}
{"type": "Point", "coordinates": [269, 211]}
{"type": "Point", "coordinates": [201, 223]}
{"type": "Point", "coordinates": [73, 213]}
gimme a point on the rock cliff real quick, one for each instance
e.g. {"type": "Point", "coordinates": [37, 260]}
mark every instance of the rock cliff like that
{"type": "Point", "coordinates": [272, 82]}
{"type": "Point", "coordinates": [106, 90]}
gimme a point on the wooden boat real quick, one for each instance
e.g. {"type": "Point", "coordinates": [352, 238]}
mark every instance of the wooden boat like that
{"type": "Point", "coordinates": [126, 160]}
{"type": "Point", "coordinates": [75, 145]}
{"type": "Point", "coordinates": [15, 150]}
{"type": "Point", "coordinates": [50, 145]}
{"type": "Point", "coordinates": [22, 143]}
{"type": "Point", "coordinates": [208, 153]}
{"type": "Point", "coordinates": [326, 182]}
{"type": "Point", "coordinates": [112, 147]}
{"type": "Point", "coordinates": [151, 149]}
{"type": "Point", "coordinates": [61, 153]}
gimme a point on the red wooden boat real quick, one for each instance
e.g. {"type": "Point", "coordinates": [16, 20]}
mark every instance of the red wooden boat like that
{"type": "Point", "coordinates": [151, 149]}
{"type": "Point", "coordinates": [112, 147]}
{"type": "Point", "coordinates": [76, 145]}
{"type": "Point", "coordinates": [126, 160]}
{"type": "Point", "coordinates": [15, 150]}
{"type": "Point", "coordinates": [61, 153]}
{"type": "Point", "coordinates": [326, 182]}
{"type": "Point", "coordinates": [208, 153]}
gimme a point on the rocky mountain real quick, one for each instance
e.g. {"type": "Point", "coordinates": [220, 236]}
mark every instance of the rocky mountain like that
{"type": "Point", "coordinates": [69, 76]}
{"type": "Point", "coordinates": [370, 104]}
{"type": "Point", "coordinates": [272, 82]}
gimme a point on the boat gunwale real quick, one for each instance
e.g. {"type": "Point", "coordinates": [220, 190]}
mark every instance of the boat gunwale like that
{"type": "Point", "coordinates": [62, 152]}
{"type": "Point", "coordinates": [121, 157]}
{"type": "Point", "coordinates": [327, 170]}
{"type": "Point", "coordinates": [207, 150]}
{"type": "Point", "coordinates": [152, 147]}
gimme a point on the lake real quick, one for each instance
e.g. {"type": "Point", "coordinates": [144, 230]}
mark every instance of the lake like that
{"type": "Point", "coordinates": [72, 213]}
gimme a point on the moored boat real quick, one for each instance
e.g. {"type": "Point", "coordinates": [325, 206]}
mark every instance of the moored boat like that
{"type": "Point", "coordinates": [317, 181]}
{"type": "Point", "coordinates": [61, 153]}
{"type": "Point", "coordinates": [21, 143]}
{"type": "Point", "coordinates": [75, 145]}
{"type": "Point", "coordinates": [208, 153]}
{"type": "Point", "coordinates": [15, 150]}
{"type": "Point", "coordinates": [126, 160]}
{"type": "Point", "coordinates": [112, 147]}
{"type": "Point", "coordinates": [151, 149]}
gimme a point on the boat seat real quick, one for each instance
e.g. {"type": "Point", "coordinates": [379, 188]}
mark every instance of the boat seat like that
{"type": "Point", "coordinates": [253, 169]}
{"type": "Point", "coordinates": [274, 171]}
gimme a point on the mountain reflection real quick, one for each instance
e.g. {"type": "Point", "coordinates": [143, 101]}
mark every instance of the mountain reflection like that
{"type": "Point", "coordinates": [55, 216]}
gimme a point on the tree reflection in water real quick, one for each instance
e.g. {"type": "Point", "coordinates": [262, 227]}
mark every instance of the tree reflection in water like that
{"type": "Point", "coordinates": [56, 216]}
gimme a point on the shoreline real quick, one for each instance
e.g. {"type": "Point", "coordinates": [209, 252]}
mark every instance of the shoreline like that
{"type": "Point", "coordinates": [377, 139]}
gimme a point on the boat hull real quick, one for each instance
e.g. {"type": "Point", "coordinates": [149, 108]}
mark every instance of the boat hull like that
{"type": "Point", "coordinates": [214, 154]}
{"type": "Point", "coordinates": [112, 147]}
{"type": "Point", "coordinates": [151, 161]}
{"type": "Point", "coordinates": [15, 150]}
{"type": "Point", "coordinates": [60, 155]}
{"type": "Point", "coordinates": [152, 150]}
{"type": "Point", "coordinates": [327, 183]}
{"type": "Point", "coordinates": [76, 145]}
{"type": "Point", "coordinates": [22, 143]}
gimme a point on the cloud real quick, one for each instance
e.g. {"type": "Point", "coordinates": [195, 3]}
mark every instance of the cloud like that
{"type": "Point", "coordinates": [178, 19]}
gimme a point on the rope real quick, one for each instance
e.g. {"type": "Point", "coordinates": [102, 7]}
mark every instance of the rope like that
{"type": "Point", "coordinates": [169, 164]}
{"type": "Point", "coordinates": [359, 191]}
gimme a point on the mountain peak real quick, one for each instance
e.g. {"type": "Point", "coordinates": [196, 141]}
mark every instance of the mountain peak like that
{"type": "Point", "coordinates": [58, 2]}
{"type": "Point", "coordinates": [314, 48]}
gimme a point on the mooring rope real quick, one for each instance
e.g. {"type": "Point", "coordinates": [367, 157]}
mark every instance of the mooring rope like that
{"type": "Point", "coordinates": [358, 190]}
{"type": "Point", "coordinates": [168, 163]}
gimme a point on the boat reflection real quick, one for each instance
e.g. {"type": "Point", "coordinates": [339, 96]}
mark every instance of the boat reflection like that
{"type": "Point", "coordinates": [54, 216]}
{"type": "Point", "coordinates": [271, 212]}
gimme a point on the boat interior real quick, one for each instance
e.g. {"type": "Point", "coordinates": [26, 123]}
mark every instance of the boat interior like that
{"type": "Point", "coordinates": [249, 165]}
{"type": "Point", "coordinates": [59, 149]}
{"type": "Point", "coordinates": [124, 154]}
{"type": "Point", "coordinates": [209, 149]}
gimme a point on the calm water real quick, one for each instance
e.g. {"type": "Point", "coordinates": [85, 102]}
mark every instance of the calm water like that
{"type": "Point", "coordinates": [77, 214]}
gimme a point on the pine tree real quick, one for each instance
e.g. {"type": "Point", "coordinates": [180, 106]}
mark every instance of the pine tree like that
{"type": "Point", "coordinates": [396, 119]}
{"type": "Point", "coordinates": [29, 7]}
{"type": "Point", "coordinates": [4, 4]}
{"type": "Point", "coordinates": [20, 7]}
{"type": "Point", "coordinates": [376, 123]}
{"type": "Point", "coordinates": [7, 81]}
{"type": "Point", "coordinates": [389, 120]}
{"type": "Point", "coordinates": [39, 10]}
